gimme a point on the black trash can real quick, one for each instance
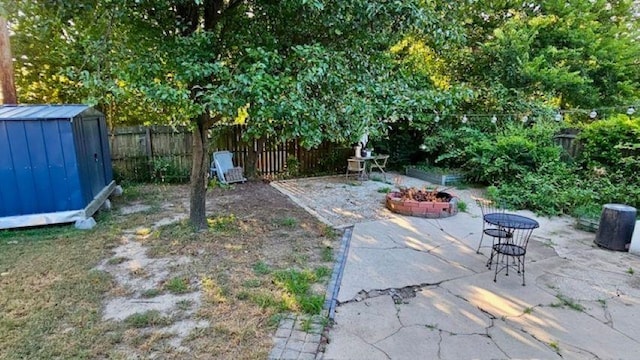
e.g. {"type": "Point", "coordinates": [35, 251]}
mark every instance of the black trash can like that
{"type": "Point", "coordinates": [616, 227]}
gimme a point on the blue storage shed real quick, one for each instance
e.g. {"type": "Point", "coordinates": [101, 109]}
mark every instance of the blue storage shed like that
{"type": "Point", "coordinates": [55, 164]}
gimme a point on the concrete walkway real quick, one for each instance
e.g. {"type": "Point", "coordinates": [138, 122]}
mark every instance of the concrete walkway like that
{"type": "Point", "coordinates": [414, 288]}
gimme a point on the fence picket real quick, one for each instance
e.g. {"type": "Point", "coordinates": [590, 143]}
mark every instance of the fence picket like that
{"type": "Point", "coordinates": [162, 153]}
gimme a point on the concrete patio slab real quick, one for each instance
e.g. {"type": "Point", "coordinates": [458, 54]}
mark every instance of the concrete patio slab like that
{"type": "Point", "coordinates": [425, 344]}
{"type": "Point", "coordinates": [517, 344]}
{"type": "Point", "coordinates": [457, 311]}
{"type": "Point", "coordinates": [437, 308]}
{"type": "Point", "coordinates": [473, 346]}
{"type": "Point", "coordinates": [380, 311]}
{"type": "Point", "coordinates": [565, 328]}
{"type": "Point", "coordinates": [345, 345]}
{"type": "Point", "coordinates": [414, 288]}
{"type": "Point", "coordinates": [379, 269]}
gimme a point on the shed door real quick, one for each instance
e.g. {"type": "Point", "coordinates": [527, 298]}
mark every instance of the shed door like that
{"type": "Point", "coordinates": [95, 158]}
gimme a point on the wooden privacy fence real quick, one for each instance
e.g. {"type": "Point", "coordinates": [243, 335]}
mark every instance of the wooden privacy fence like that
{"type": "Point", "coordinates": [568, 140]}
{"type": "Point", "coordinates": [160, 153]}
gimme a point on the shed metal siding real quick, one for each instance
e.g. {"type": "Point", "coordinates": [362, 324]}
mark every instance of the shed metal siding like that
{"type": "Point", "coordinates": [40, 174]}
{"type": "Point", "coordinates": [58, 177]}
{"type": "Point", "coordinates": [8, 183]}
{"type": "Point", "coordinates": [47, 161]}
{"type": "Point", "coordinates": [84, 171]}
{"type": "Point", "coordinates": [25, 185]}
{"type": "Point", "coordinates": [39, 112]}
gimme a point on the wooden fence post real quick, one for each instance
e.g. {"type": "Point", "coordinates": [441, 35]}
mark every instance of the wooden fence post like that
{"type": "Point", "coordinates": [149, 149]}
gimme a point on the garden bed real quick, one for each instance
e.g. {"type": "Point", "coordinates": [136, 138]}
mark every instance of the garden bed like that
{"type": "Point", "coordinates": [434, 176]}
{"type": "Point", "coordinates": [587, 224]}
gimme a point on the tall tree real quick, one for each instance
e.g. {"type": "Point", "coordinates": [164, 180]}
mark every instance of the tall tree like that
{"type": "Point", "coordinates": [6, 65]}
{"type": "Point", "coordinates": [307, 69]}
{"type": "Point", "coordinates": [568, 54]}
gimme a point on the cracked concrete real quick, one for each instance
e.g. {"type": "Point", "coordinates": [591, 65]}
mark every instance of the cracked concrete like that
{"type": "Point", "coordinates": [415, 288]}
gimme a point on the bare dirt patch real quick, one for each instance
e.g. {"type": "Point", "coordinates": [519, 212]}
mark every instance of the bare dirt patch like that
{"type": "Point", "coordinates": [214, 294]}
{"type": "Point", "coordinates": [143, 284]}
{"type": "Point", "coordinates": [232, 302]}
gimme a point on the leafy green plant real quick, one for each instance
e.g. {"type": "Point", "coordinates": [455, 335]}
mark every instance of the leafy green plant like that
{"type": "Point", "coordinates": [222, 223]}
{"type": "Point", "coordinates": [462, 206]}
{"type": "Point", "coordinates": [589, 211]}
{"type": "Point", "coordinates": [261, 268]}
{"type": "Point", "coordinates": [307, 322]}
{"type": "Point", "coordinates": [146, 319]}
{"type": "Point", "coordinates": [298, 285]}
{"type": "Point", "coordinates": [288, 222]}
{"type": "Point", "coordinates": [243, 295]}
{"type": "Point", "coordinates": [268, 300]}
{"type": "Point", "coordinates": [327, 254]}
{"type": "Point", "coordinates": [274, 320]}
{"type": "Point", "coordinates": [611, 144]}
{"type": "Point", "coordinates": [177, 285]}
{"type": "Point", "coordinates": [252, 283]}
{"type": "Point", "coordinates": [215, 183]}
{"type": "Point", "coordinates": [293, 166]}
{"type": "Point", "coordinates": [511, 154]}
{"type": "Point", "coordinates": [568, 302]}
{"type": "Point", "coordinates": [384, 190]}
{"type": "Point", "coordinates": [329, 232]}
{"type": "Point", "coordinates": [322, 272]}
{"type": "Point", "coordinates": [294, 281]}
{"type": "Point", "coordinates": [311, 304]}
{"type": "Point", "coordinates": [165, 169]}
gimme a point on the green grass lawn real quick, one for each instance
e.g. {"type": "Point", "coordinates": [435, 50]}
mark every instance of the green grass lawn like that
{"type": "Point", "coordinates": [249, 267]}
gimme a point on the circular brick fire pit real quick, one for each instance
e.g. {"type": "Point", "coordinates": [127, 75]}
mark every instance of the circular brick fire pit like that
{"type": "Point", "coordinates": [443, 205]}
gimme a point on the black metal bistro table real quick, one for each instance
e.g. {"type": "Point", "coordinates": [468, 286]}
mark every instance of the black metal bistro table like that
{"type": "Point", "coordinates": [512, 248]}
{"type": "Point", "coordinates": [511, 221]}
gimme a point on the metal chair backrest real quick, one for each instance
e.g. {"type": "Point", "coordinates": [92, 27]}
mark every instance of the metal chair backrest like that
{"type": "Point", "coordinates": [520, 238]}
{"type": "Point", "coordinates": [512, 252]}
{"type": "Point", "coordinates": [488, 206]}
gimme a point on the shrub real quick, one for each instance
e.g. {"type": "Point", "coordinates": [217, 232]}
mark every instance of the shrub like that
{"type": "Point", "coordinates": [515, 152]}
{"type": "Point", "coordinates": [452, 145]}
{"type": "Point", "coordinates": [166, 169]}
{"type": "Point", "coordinates": [611, 144]}
{"type": "Point", "coordinates": [547, 191]}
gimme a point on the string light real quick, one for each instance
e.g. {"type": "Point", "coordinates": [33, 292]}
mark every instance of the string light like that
{"type": "Point", "coordinates": [529, 117]}
{"type": "Point", "coordinates": [558, 116]}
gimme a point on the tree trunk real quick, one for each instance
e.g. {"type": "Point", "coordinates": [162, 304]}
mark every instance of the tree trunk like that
{"type": "Point", "coordinates": [197, 211]}
{"type": "Point", "coordinates": [6, 66]}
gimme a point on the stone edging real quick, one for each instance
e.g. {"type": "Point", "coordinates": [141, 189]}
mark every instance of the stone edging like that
{"type": "Point", "coordinates": [292, 340]}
